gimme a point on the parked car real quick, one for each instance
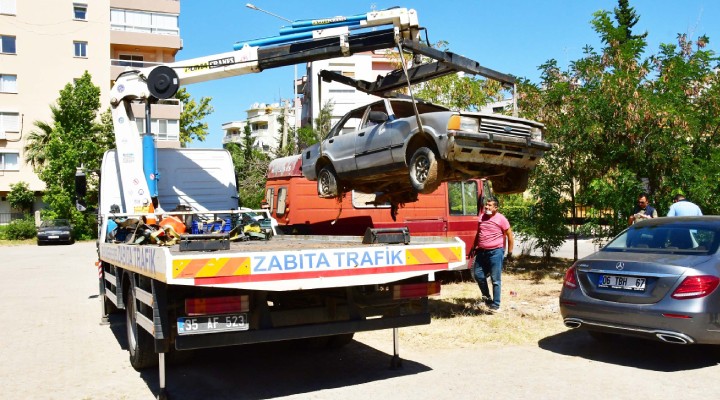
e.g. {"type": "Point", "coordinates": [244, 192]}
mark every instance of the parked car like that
{"type": "Point", "coordinates": [655, 280]}
{"type": "Point", "coordinates": [55, 231]}
{"type": "Point", "coordinates": [380, 147]}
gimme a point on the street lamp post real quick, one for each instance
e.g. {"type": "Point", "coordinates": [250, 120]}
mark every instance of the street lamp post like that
{"type": "Point", "coordinates": [294, 91]}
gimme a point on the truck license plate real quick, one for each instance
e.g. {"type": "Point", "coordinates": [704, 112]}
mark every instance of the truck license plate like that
{"type": "Point", "coordinates": [622, 282]}
{"type": "Point", "coordinates": [212, 323]}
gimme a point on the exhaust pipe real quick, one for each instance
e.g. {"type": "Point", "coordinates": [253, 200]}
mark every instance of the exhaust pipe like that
{"type": "Point", "coordinates": [573, 323]}
{"type": "Point", "coordinates": [670, 338]}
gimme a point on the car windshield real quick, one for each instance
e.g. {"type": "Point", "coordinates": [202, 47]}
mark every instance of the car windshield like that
{"type": "Point", "coordinates": [686, 237]}
{"type": "Point", "coordinates": [54, 222]}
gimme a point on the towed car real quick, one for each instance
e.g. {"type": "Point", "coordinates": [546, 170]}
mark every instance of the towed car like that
{"type": "Point", "coordinates": [55, 231]}
{"type": "Point", "coordinates": [657, 279]}
{"type": "Point", "coordinates": [386, 147]}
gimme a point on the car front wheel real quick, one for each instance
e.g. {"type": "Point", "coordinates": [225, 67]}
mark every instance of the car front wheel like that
{"type": "Point", "coordinates": [327, 183]}
{"type": "Point", "coordinates": [424, 171]}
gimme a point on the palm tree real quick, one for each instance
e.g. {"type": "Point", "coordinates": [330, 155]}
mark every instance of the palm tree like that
{"type": "Point", "coordinates": [35, 143]}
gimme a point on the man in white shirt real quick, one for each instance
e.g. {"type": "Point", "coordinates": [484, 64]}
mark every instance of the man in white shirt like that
{"type": "Point", "coordinates": [682, 207]}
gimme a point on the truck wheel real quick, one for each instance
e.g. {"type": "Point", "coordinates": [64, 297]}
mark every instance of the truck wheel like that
{"type": "Point", "coordinates": [424, 171]}
{"type": "Point", "coordinates": [327, 183]}
{"type": "Point", "coordinates": [140, 342]}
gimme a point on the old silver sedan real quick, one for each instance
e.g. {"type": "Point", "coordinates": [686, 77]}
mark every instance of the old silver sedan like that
{"type": "Point", "coordinates": [655, 280]}
{"type": "Point", "coordinates": [386, 147]}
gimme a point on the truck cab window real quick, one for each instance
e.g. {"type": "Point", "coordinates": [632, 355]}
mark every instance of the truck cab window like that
{"type": "Point", "coordinates": [463, 197]}
{"type": "Point", "coordinates": [281, 198]}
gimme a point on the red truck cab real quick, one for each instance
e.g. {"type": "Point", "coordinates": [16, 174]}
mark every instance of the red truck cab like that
{"type": "Point", "coordinates": [450, 211]}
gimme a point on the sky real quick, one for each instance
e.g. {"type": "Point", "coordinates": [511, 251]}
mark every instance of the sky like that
{"type": "Point", "coordinates": [510, 36]}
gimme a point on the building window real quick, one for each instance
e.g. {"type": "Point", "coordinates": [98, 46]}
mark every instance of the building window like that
{"type": "Point", "coordinates": [131, 60]}
{"type": "Point", "coordinates": [9, 162]}
{"type": "Point", "coordinates": [8, 83]}
{"type": "Point", "coordinates": [7, 7]}
{"type": "Point", "coordinates": [7, 44]}
{"type": "Point", "coordinates": [80, 49]}
{"type": "Point", "coordinates": [147, 22]}
{"type": "Point", "coordinates": [80, 11]}
{"type": "Point", "coordinates": [164, 129]}
{"type": "Point", "coordinates": [9, 122]}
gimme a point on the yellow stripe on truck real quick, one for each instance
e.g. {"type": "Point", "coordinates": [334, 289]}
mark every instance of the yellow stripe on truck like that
{"type": "Point", "coordinates": [433, 255]}
{"type": "Point", "coordinates": [211, 267]}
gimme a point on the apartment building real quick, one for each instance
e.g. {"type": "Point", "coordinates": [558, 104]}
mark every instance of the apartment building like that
{"type": "Point", "coordinates": [364, 66]}
{"type": "Point", "coordinates": [45, 44]}
{"type": "Point", "coordinates": [266, 132]}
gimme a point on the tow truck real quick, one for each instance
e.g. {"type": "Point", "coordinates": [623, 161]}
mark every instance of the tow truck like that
{"type": "Point", "coordinates": [191, 271]}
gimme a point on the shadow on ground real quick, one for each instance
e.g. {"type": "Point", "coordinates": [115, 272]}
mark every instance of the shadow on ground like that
{"type": "Point", "coordinates": [632, 352]}
{"type": "Point", "coordinates": [269, 370]}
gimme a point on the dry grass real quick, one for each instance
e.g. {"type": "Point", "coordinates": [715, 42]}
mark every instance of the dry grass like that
{"type": "Point", "coordinates": [528, 315]}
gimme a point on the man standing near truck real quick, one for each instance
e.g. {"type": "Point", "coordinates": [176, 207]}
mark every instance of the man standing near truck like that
{"type": "Point", "coordinates": [493, 234]}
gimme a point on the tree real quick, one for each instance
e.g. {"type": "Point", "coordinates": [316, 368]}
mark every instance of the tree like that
{"type": "Point", "coordinates": [323, 122]}
{"type": "Point", "coordinates": [191, 125]}
{"type": "Point", "coordinates": [21, 197]}
{"type": "Point", "coordinates": [624, 123]}
{"type": "Point", "coordinates": [76, 139]}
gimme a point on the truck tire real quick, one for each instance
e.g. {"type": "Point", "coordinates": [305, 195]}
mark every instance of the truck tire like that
{"type": "Point", "coordinates": [327, 187]}
{"type": "Point", "coordinates": [140, 342]}
{"type": "Point", "coordinates": [424, 171]}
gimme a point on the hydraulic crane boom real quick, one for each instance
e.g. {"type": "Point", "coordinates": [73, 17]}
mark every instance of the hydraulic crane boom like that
{"type": "Point", "coordinates": [304, 41]}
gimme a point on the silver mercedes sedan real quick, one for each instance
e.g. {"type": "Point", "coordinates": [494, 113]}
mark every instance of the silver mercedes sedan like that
{"type": "Point", "coordinates": [397, 146]}
{"type": "Point", "coordinates": [657, 280]}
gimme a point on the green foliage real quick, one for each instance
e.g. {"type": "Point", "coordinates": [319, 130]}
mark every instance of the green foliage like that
{"type": "Point", "coordinates": [21, 197]}
{"type": "Point", "coordinates": [75, 140]}
{"type": "Point", "coordinates": [191, 125]}
{"type": "Point", "coordinates": [623, 124]}
{"type": "Point", "coordinates": [610, 203]}
{"type": "Point", "coordinates": [324, 119]}
{"type": "Point", "coordinates": [20, 229]}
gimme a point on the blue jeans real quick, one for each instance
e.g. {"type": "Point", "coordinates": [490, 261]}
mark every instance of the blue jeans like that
{"type": "Point", "coordinates": [488, 263]}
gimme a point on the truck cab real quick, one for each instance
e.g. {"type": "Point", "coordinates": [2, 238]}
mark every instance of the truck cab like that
{"type": "Point", "coordinates": [449, 211]}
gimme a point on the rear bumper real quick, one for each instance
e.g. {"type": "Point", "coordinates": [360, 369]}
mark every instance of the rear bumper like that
{"type": "Point", "coordinates": [297, 332]}
{"type": "Point", "coordinates": [643, 322]}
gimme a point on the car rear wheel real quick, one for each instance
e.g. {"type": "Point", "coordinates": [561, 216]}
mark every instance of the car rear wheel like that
{"type": "Point", "coordinates": [327, 183]}
{"type": "Point", "coordinates": [424, 171]}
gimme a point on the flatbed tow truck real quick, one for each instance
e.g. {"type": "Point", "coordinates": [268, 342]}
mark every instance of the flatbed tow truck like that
{"type": "Point", "coordinates": [191, 270]}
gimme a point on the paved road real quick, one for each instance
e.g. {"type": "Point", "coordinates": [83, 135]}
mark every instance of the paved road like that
{"type": "Point", "coordinates": [52, 347]}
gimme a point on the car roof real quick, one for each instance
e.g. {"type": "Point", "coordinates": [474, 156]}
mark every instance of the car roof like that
{"type": "Point", "coordinates": [704, 220]}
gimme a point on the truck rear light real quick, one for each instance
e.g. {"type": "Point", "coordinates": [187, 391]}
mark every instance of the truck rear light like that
{"type": "Point", "coordinates": [570, 280]}
{"type": "Point", "coordinates": [694, 287]}
{"type": "Point", "coordinates": [217, 305]}
{"type": "Point", "coordinates": [415, 290]}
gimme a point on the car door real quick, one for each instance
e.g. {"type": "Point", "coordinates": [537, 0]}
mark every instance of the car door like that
{"type": "Point", "coordinates": [373, 141]}
{"type": "Point", "coordinates": [339, 146]}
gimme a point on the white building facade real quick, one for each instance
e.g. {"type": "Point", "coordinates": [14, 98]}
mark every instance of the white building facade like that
{"type": "Point", "coordinates": [44, 45]}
